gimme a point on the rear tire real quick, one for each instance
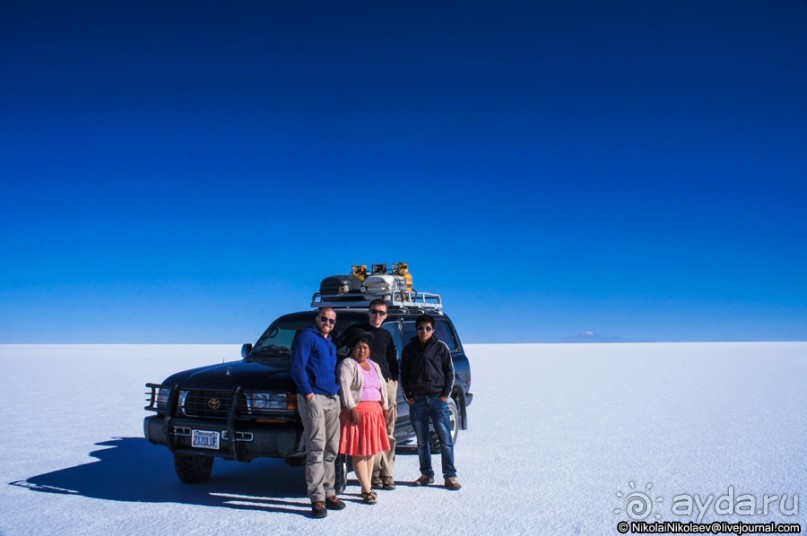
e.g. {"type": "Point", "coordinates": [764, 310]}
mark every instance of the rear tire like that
{"type": "Point", "coordinates": [193, 468]}
{"type": "Point", "coordinates": [454, 419]}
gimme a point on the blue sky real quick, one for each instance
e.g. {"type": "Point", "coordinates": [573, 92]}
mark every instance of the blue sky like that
{"type": "Point", "coordinates": [187, 171]}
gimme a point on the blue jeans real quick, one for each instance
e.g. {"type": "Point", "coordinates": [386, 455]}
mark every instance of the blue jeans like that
{"type": "Point", "coordinates": [419, 414]}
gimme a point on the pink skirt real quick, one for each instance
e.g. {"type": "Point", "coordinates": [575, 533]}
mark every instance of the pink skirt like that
{"type": "Point", "coordinates": [367, 438]}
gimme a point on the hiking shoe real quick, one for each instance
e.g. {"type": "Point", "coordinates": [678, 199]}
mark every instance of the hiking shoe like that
{"type": "Point", "coordinates": [452, 483]}
{"type": "Point", "coordinates": [424, 480]}
{"type": "Point", "coordinates": [376, 482]}
{"type": "Point", "coordinates": [334, 503]}
{"type": "Point", "coordinates": [387, 482]}
{"type": "Point", "coordinates": [318, 509]}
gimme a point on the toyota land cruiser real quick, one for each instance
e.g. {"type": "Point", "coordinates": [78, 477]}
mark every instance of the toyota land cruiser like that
{"type": "Point", "coordinates": [246, 409]}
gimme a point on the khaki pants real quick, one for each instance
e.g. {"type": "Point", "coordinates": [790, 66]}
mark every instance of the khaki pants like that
{"type": "Point", "coordinates": [321, 429]}
{"type": "Point", "coordinates": [384, 462]}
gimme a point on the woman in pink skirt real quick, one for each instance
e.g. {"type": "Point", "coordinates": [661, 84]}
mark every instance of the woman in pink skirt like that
{"type": "Point", "coordinates": [364, 410]}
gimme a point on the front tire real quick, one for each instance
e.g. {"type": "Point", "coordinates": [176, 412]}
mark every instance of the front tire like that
{"type": "Point", "coordinates": [295, 461]}
{"type": "Point", "coordinates": [454, 420]}
{"type": "Point", "coordinates": [341, 470]}
{"type": "Point", "coordinates": [193, 468]}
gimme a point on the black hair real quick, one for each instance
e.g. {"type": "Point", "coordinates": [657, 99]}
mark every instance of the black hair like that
{"type": "Point", "coordinates": [424, 319]}
{"type": "Point", "coordinates": [358, 336]}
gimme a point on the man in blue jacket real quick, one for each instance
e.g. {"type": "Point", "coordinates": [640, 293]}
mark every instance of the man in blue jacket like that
{"type": "Point", "coordinates": [313, 365]}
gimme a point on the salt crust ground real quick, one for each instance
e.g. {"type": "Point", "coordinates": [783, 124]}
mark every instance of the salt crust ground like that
{"type": "Point", "coordinates": [556, 432]}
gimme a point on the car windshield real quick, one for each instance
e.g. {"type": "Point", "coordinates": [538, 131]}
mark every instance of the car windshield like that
{"type": "Point", "coordinates": [277, 339]}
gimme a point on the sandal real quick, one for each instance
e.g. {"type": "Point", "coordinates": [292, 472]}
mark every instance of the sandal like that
{"type": "Point", "coordinates": [369, 497]}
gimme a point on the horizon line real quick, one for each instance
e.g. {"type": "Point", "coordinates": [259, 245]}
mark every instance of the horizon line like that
{"type": "Point", "coordinates": [554, 343]}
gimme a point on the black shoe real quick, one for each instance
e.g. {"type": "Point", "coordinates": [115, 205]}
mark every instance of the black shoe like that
{"type": "Point", "coordinates": [376, 482]}
{"type": "Point", "coordinates": [319, 510]}
{"type": "Point", "coordinates": [334, 503]}
{"type": "Point", "coordinates": [388, 483]}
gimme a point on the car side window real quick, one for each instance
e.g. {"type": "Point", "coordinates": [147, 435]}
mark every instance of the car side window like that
{"type": "Point", "coordinates": [409, 331]}
{"type": "Point", "coordinates": [443, 331]}
{"type": "Point", "coordinates": [446, 334]}
{"type": "Point", "coordinates": [395, 330]}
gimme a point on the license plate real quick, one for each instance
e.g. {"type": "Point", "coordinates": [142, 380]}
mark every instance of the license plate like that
{"type": "Point", "coordinates": [203, 439]}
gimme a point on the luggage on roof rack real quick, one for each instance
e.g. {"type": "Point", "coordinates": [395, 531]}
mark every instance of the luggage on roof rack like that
{"type": "Point", "coordinates": [384, 284]}
{"type": "Point", "coordinates": [339, 286]}
{"type": "Point", "coordinates": [360, 287]}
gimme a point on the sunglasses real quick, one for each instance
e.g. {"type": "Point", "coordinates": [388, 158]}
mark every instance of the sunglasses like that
{"type": "Point", "coordinates": [326, 320]}
{"type": "Point", "coordinates": [378, 312]}
{"type": "Point", "coordinates": [427, 329]}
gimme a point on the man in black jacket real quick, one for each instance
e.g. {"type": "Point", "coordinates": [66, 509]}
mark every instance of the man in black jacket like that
{"type": "Point", "coordinates": [427, 377]}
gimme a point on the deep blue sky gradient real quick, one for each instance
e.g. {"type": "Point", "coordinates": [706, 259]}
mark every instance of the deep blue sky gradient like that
{"type": "Point", "coordinates": [186, 171]}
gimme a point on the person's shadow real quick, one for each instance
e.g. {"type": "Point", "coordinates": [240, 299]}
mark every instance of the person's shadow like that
{"type": "Point", "coordinates": [132, 470]}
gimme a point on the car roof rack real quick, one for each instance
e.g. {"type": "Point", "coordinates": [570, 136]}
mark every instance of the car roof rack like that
{"type": "Point", "coordinates": [361, 300]}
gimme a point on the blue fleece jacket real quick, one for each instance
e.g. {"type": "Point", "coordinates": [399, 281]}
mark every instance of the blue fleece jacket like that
{"type": "Point", "coordinates": [313, 363]}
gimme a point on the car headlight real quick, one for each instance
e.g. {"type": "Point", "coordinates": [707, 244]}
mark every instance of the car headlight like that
{"type": "Point", "coordinates": [258, 401]}
{"type": "Point", "coordinates": [162, 397]}
{"type": "Point", "coordinates": [157, 397]}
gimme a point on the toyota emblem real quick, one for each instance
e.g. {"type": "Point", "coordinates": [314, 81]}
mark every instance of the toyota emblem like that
{"type": "Point", "coordinates": [214, 403]}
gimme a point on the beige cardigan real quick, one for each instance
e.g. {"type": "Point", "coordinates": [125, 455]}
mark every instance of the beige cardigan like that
{"type": "Point", "coordinates": [351, 381]}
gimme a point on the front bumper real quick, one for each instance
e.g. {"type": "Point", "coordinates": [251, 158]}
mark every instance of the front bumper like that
{"type": "Point", "coordinates": [243, 443]}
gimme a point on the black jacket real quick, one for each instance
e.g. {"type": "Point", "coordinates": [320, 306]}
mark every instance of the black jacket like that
{"type": "Point", "coordinates": [382, 349]}
{"type": "Point", "coordinates": [426, 370]}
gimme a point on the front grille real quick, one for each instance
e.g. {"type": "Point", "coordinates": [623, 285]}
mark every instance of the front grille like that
{"type": "Point", "coordinates": [208, 403]}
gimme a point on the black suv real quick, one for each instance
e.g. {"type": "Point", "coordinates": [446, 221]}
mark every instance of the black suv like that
{"type": "Point", "coordinates": [247, 409]}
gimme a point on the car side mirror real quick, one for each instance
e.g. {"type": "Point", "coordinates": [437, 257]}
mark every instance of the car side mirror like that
{"type": "Point", "coordinates": [246, 349]}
